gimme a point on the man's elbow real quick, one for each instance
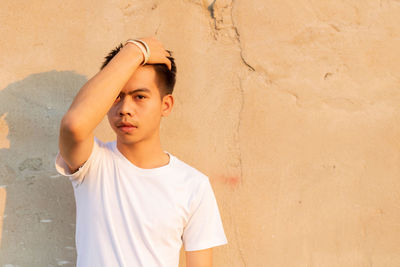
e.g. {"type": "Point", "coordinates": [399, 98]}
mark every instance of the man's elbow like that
{"type": "Point", "coordinates": [71, 129]}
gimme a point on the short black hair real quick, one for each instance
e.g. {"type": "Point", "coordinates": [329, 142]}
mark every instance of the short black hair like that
{"type": "Point", "coordinates": [166, 78]}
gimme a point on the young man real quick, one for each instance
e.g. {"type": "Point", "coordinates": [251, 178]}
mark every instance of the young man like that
{"type": "Point", "coordinates": [136, 203]}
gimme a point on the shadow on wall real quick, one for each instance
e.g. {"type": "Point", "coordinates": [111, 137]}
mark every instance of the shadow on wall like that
{"type": "Point", "coordinates": [39, 214]}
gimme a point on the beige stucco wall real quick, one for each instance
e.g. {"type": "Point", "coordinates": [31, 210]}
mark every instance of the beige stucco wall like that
{"type": "Point", "coordinates": [290, 107]}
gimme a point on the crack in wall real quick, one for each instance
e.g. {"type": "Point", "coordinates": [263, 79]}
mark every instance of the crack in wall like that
{"type": "Point", "coordinates": [224, 27]}
{"type": "Point", "coordinates": [237, 234]}
{"type": "Point", "coordinates": [241, 254]}
{"type": "Point", "coordinates": [241, 53]}
{"type": "Point", "coordinates": [211, 9]}
{"type": "Point", "coordinates": [238, 40]}
{"type": "Point", "coordinates": [238, 128]}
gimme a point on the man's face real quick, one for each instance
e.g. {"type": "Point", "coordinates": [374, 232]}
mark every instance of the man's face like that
{"type": "Point", "coordinates": [139, 104]}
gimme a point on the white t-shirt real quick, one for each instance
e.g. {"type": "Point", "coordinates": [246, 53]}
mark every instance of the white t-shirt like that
{"type": "Point", "coordinates": [129, 216]}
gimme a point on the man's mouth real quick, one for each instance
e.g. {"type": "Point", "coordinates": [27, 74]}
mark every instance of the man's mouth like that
{"type": "Point", "coordinates": [126, 127]}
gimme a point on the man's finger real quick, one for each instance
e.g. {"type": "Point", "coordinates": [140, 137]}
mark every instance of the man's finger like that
{"type": "Point", "coordinates": [168, 63]}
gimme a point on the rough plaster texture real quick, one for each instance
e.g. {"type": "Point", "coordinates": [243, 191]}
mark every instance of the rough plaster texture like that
{"type": "Point", "coordinates": [290, 107]}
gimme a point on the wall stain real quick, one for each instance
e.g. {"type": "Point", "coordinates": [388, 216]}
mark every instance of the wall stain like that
{"type": "Point", "coordinates": [33, 164]}
{"type": "Point", "coordinates": [34, 107]}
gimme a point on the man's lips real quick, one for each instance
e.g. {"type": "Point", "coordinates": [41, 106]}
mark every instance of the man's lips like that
{"type": "Point", "coordinates": [126, 127]}
{"type": "Point", "coordinates": [125, 124]}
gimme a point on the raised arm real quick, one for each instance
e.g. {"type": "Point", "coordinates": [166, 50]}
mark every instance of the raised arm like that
{"type": "Point", "coordinates": [199, 258]}
{"type": "Point", "coordinates": [97, 96]}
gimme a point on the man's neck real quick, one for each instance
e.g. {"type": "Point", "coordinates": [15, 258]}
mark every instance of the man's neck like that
{"type": "Point", "coordinates": [147, 154]}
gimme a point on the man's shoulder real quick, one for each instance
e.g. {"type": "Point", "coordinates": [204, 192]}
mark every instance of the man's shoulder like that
{"type": "Point", "coordinates": [188, 170]}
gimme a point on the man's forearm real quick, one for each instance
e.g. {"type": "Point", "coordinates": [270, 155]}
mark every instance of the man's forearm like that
{"type": "Point", "coordinates": [96, 97]}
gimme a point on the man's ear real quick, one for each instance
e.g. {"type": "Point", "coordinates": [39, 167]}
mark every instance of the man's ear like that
{"type": "Point", "coordinates": [166, 105]}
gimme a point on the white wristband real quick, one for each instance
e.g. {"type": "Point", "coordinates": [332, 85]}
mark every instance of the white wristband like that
{"type": "Point", "coordinates": [144, 52]}
{"type": "Point", "coordinates": [145, 45]}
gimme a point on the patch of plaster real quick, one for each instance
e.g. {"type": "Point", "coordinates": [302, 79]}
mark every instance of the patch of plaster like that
{"type": "Point", "coordinates": [62, 262]}
{"type": "Point", "coordinates": [4, 129]}
{"type": "Point", "coordinates": [292, 94]}
{"type": "Point", "coordinates": [3, 197]}
{"type": "Point", "coordinates": [342, 103]}
{"type": "Point", "coordinates": [32, 164]}
{"type": "Point", "coordinates": [156, 32]}
{"type": "Point", "coordinates": [130, 9]}
{"type": "Point", "coordinates": [327, 75]}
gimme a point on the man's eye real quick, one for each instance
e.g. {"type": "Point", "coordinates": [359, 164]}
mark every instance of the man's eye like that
{"type": "Point", "coordinates": [118, 98]}
{"type": "Point", "coordinates": [141, 96]}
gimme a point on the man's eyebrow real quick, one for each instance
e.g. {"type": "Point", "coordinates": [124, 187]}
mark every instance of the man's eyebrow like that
{"type": "Point", "coordinates": [139, 90]}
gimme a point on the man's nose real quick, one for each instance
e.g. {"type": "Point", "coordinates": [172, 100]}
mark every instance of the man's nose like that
{"type": "Point", "coordinates": [125, 107]}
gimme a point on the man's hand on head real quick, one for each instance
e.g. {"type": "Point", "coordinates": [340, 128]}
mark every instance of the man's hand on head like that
{"type": "Point", "coordinates": [158, 54]}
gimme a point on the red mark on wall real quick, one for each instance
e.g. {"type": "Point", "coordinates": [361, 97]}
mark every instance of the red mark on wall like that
{"type": "Point", "coordinates": [230, 180]}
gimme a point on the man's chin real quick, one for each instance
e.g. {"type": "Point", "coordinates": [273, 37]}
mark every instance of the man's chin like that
{"type": "Point", "coordinates": [127, 139]}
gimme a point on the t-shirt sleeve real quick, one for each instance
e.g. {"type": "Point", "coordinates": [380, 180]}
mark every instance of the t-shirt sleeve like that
{"type": "Point", "coordinates": [204, 227]}
{"type": "Point", "coordinates": [78, 176]}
